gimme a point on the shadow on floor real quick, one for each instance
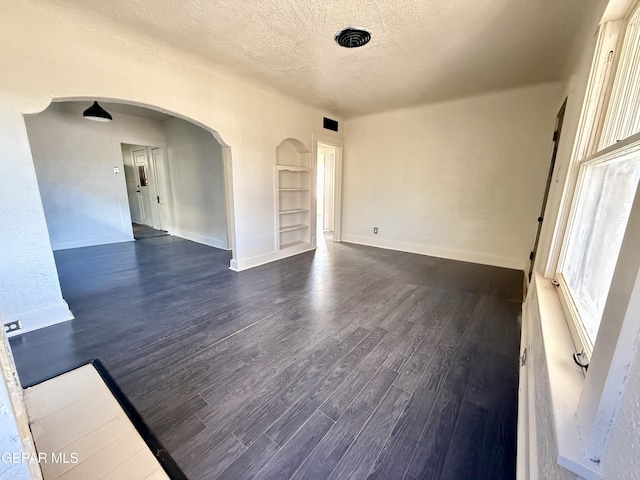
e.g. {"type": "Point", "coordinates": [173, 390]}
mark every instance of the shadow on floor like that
{"type": "Point", "coordinates": [145, 231]}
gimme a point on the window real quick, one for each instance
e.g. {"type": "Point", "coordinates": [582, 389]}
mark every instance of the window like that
{"type": "Point", "coordinates": [605, 194]}
{"type": "Point", "coordinates": [623, 115]}
{"type": "Point", "coordinates": [594, 257]}
{"type": "Point", "coordinates": [606, 185]}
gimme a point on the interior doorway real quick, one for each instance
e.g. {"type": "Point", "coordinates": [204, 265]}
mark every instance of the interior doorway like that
{"type": "Point", "coordinates": [325, 191]}
{"type": "Point", "coordinates": [147, 182]}
{"type": "Point", "coordinates": [327, 195]}
{"type": "Point", "coordinates": [89, 174]}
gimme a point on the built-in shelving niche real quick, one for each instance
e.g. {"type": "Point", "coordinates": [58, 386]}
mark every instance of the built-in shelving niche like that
{"type": "Point", "coordinates": [293, 193]}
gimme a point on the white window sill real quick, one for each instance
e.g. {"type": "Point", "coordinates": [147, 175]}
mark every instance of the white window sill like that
{"type": "Point", "coordinates": [565, 381]}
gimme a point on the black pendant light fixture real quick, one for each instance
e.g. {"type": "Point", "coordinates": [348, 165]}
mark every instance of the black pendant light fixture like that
{"type": "Point", "coordinates": [96, 113]}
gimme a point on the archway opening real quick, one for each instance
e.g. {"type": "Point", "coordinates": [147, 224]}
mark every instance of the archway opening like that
{"type": "Point", "coordinates": [147, 168]}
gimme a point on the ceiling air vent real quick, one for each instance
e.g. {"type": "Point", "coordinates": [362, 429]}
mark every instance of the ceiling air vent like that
{"type": "Point", "coordinates": [330, 124]}
{"type": "Point", "coordinates": [352, 37]}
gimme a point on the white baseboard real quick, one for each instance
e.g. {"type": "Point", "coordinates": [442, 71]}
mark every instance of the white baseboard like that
{"type": "Point", "coordinates": [247, 263]}
{"type": "Point", "coordinates": [203, 239]}
{"type": "Point", "coordinates": [440, 252]}
{"type": "Point", "coordinates": [90, 242]}
{"type": "Point", "coordinates": [40, 318]}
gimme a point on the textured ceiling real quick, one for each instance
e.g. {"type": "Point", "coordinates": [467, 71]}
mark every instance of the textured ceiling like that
{"type": "Point", "coordinates": [421, 51]}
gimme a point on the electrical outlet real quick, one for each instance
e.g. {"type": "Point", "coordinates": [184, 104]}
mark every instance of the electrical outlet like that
{"type": "Point", "coordinates": [375, 230]}
{"type": "Point", "coordinates": [12, 326]}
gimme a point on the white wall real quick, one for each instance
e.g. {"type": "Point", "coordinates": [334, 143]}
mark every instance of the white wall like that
{"type": "Point", "coordinates": [621, 459]}
{"type": "Point", "coordinates": [53, 51]}
{"type": "Point", "coordinates": [15, 436]}
{"type": "Point", "coordinates": [10, 442]}
{"type": "Point", "coordinates": [544, 444]}
{"type": "Point", "coordinates": [84, 202]}
{"type": "Point", "coordinates": [462, 179]}
{"type": "Point", "coordinates": [197, 183]}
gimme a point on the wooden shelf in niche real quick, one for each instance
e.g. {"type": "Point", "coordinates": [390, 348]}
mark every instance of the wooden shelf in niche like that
{"type": "Point", "coordinates": [293, 210]}
{"type": "Point", "coordinates": [295, 226]}
{"type": "Point", "coordinates": [293, 178]}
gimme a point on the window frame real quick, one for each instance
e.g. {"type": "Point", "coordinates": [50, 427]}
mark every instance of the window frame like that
{"type": "Point", "coordinates": [603, 82]}
{"type": "Point", "coordinates": [588, 130]}
{"type": "Point", "coordinates": [617, 115]}
{"type": "Point", "coordinates": [581, 340]}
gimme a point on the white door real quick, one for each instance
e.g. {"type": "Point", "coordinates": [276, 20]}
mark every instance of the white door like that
{"type": "Point", "coordinates": [162, 187]}
{"type": "Point", "coordinates": [329, 173]}
{"type": "Point", "coordinates": [131, 177]}
{"type": "Point", "coordinates": [144, 188]}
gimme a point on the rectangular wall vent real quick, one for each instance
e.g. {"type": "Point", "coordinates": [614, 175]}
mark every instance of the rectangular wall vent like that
{"type": "Point", "coordinates": [330, 124]}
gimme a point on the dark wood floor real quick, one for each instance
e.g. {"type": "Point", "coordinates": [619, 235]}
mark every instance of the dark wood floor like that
{"type": "Point", "coordinates": [350, 362]}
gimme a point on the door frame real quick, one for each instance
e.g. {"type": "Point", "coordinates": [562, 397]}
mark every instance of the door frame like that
{"type": "Point", "coordinates": [227, 172]}
{"type": "Point", "coordinates": [328, 200]}
{"type": "Point", "coordinates": [133, 199]}
{"type": "Point", "coordinates": [552, 163]}
{"type": "Point", "coordinates": [116, 145]}
{"type": "Point", "coordinates": [148, 216]}
{"type": "Point", "coordinates": [338, 144]}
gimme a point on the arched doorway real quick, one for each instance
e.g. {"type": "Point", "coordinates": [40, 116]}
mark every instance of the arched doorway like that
{"type": "Point", "coordinates": [88, 171]}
